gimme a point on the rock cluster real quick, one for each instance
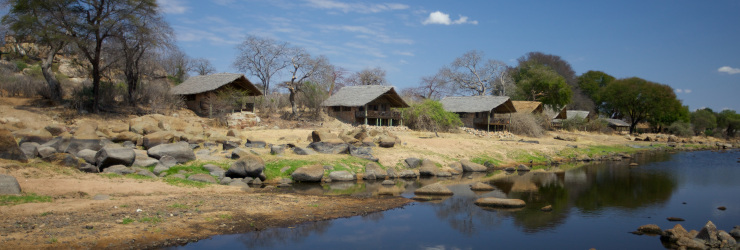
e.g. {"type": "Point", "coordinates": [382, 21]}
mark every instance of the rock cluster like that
{"type": "Point", "coordinates": [709, 237]}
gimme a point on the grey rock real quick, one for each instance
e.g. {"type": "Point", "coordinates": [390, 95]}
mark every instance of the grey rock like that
{"type": "Point", "coordinates": [277, 149]}
{"type": "Point", "coordinates": [75, 145]}
{"type": "Point", "coordinates": [180, 151]}
{"type": "Point", "coordinates": [312, 173]}
{"type": "Point", "coordinates": [239, 153]}
{"type": "Point", "coordinates": [329, 147]}
{"type": "Point", "coordinates": [386, 142]}
{"type": "Point", "coordinates": [522, 168]}
{"type": "Point", "coordinates": [168, 161]}
{"type": "Point", "coordinates": [239, 184]}
{"type": "Point", "coordinates": [457, 167]}
{"type": "Point", "coordinates": [362, 152]}
{"type": "Point", "coordinates": [159, 169]}
{"type": "Point", "coordinates": [227, 181]}
{"type": "Point", "coordinates": [303, 151]}
{"type": "Point", "coordinates": [228, 145]}
{"type": "Point", "coordinates": [145, 172]}
{"type": "Point", "coordinates": [88, 168]}
{"type": "Point", "coordinates": [114, 156]}
{"type": "Point", "coordinates": [372, 168]}
{"type": "Point", "coordinates": [443, 174]}
{"type": "Point", "coordinates": [202, 178]}
{"type": "Point", "coordinates": [469, 166]}
{"type": "Point", "coordinates": [499, 202]}
{"type": "Point", "coordinates": [45, 152]}
{"type": "Point", "coordinates": [119, 169]}
{"type": "Point", "coordinates": [250, 166]}
{"type": "Point", "coordinates": [342, 176]}
{"type": "Point", "coordinates": [145, 161]}
{"type": "Point", "coordinates": [407, 174]}
{"type": "Point", "coordinates": [255, 144]}
{"type": "Point", "coordinates": [9, 185]}
{"type": "Point", "coordinates": [29, 149]}
{"type": "Point", "coordinates": [129, 144]}
{"type": "Point", "coordinates": [391, 173]}
{"type": "Point", "coordinates": [708, 233]}
{"type": "Point", "coordinates": [87, 155]}
{"type": "Point", "coordinates": [433, 189]}
{"type": "Point", "coordinates": [256, 182]}
{"type": "Point", "coordinates": [428, 168]}
{"type": "Point", "coordinates": [735, 232]}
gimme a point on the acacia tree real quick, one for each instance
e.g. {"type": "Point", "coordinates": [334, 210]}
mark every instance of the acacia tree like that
{"type": "Point", "coordinates": [262, 58]}
{"type": "Point", "coordinates": [37, 22]}
{"type": "Point", "coordinates": [637, 99]}
{"type": "Point", "coordinates": [579, 100]}
{"type": "Point", "coordinates": [303, 68]}
{"type": "Point", "coordinates": [373, 76]}
{"type": "Point", "coordinates": [537, 82]}
{"type": "Point", "coordinates": [472, 73]}
{"type": "Point", "coordinates": [591, 83]}
{"type": "Point", "coordinates": [202, 66]}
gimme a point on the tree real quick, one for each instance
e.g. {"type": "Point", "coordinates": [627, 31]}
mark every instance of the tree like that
{"type": "Point", "coordinates": [729, 121]}
{"type": "Point", "coordinates": [563, 68]}
{"type": "Point", "coordinates": [537, 82]}
{"type": "Point", "coordinates": [175, 63]}
{"type": "Point", "coordinates": [262, 58]}
{"type": "Point", "coordinates": [639, 99]}
{"type": "Point", "coordinates": [434, 87]}
{"type": "Point", "coordinates": [303, 67]}
{"type": "Point", "coordinates": [591, 84]}
{"type": "Point", "coordinates": [202, 66]}
{"type": "Point", "coordinates": [704, 121]}
{"type": "Point", "coordinates": [374, 76]}
{"type": "Point", "coordinates": [37, 22]}
{"type": "Point", "coordinates": [472, 73]}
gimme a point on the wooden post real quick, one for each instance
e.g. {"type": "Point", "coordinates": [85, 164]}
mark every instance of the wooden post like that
{"type": "Point", "coordinates": [488, 122]}
{"type": "Point", "coordinates": [365, 114]}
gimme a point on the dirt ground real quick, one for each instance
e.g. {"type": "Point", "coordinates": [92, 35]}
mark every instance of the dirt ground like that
{"type": "Point", "coordinates": [94, 211]}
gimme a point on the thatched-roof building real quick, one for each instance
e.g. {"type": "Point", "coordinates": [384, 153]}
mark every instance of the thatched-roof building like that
{"type": "Point", "coordinates": [201, 91]}
{"type": "Point", "coordinates": [528, 107]}
{"type": "Point", "coordinates": [481, 112]}
{"type": "Point", "coordinates": [583, 114]}
{"type": "Point", "coordinates": [367, 104]}
{"type": "Point", "coordinates": [617, 125]}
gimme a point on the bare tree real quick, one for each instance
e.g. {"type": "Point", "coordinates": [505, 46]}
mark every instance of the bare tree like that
{"type": "Point", "coordinates": [374, 76]}
{"type": "Point", "coordinates": [262, 58]}
{"type": "Point", "coordinates": [303, 67]}
{"type": "Point", "coordinates": [202, 66]}
{"type": "Point", "coordinates": [175, 63]}
{"type": "Point", "coordinates": [435, 87]}
{"type": "Point", "coordinates": [471, 72]}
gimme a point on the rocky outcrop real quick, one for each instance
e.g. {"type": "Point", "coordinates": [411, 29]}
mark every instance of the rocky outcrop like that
{"type": "Point", "coordinates": [469, 166]}
{"type": "Point", "coordinates": [312, 173]}
{"type": "Point", "coordinates": [499, 202]}
{"type": "Point", "coordinates": [9, 149]}
{"type": "Point", "coordinates": [9, 185]}
{"type": "Point", "coordinates": [107, 157]}
{"type": "Point", "coordinates": [180, 151]}
{"type": "Point", "coordinates": [373, 171]}
{"type": "Point", "coordinates": [249, 166]}
{"type": "Point", "coordinates": [708, 237]}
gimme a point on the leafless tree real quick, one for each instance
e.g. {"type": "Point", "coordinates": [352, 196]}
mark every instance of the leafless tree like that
{"type": "Point", "coordinates": [303, 68]}
{"type": "Point", "coordinates": [374, 76]}
{"type": "Point", "coordinates": [262, 58]}
{"type": "Point", "coordinates": [175, 63]}
{"type": "Point", "coordinates": [472, 73]}
{"type": "Point", "coordinates": [202, 66]}
{"type": "Point", "coordinates": [435, 86]}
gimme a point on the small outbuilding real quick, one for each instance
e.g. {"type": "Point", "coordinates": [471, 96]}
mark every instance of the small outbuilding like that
{"type": "Point", "coordinates": [367, 104]}
{"type": "Point", "coordinates": [528, 107]}
{"type": "Point", "coordinates": [481, 112]}
{"type": "Point", "coordinates": [617, 125]}
{"type": "Point", "coordinates": [200, 92]}
{"type": "Point", "coordinates": [573, 114]}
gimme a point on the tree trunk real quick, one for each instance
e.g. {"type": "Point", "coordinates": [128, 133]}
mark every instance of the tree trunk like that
{"type": "Point", "coordinates": [55, 91]}
{"type": "Point", "coordinates": [96, 86]}
{"type": "Point", "coordinates": [293, 106]}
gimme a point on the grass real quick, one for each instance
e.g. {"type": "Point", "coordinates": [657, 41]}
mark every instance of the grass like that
{"type": "Point", "coordinates": [522, 157]}
{"type": "Point", "coordinates": [225, 216]}
{"type": "Point", "coordinates": [151, 220]}
{"type": "Point", "coordinates": [127, 221]}
{"type": "Point", "coordinates": [179, 206]}
{"type": "Point", "coordinates": [184, 183]}
{"type": "Point", "coordinates": [598, 150]}
{"type": "Point", "coordinates": [272, 168]}
{"type": "Point", "coordinates": [484, 158]}
{"type": "Point", "coordinates": [10, 200]}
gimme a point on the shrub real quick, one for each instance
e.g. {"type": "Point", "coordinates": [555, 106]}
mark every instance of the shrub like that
{"type": "Point", "coordinates": [157, 95]}
{"type": "Point", "coordinates": [598, 125]}
{"type": "Point", "coordinates": [430, 115]}
{"type": "Point", "coordinates": [575, 123]}
{"type": "Point", "coordinates": [526, 124]}
{"type": "Point", "coordinates": [681, 128]}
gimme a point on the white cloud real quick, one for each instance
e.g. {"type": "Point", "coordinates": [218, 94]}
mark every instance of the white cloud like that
{"type": "Point", "coordinates": [368, 33]}
{"type": "Point", "coordinates": [728, 70]}
{"type": "Point", "coordinates": [439, 17]}
{"type": "Point", "coordinates": [686, 91]}
{"type": "Point", "coordinates": [172, 6]}
{"type": "Point", "coordinates": [356, 7]}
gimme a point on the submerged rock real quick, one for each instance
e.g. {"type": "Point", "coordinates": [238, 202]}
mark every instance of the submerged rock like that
{"type": "Point", "coordinates": [499, 202]}
{"type": "Point", "coordinates": [480, 186]}
{"type": "Point", "coordinates": [433, 189]}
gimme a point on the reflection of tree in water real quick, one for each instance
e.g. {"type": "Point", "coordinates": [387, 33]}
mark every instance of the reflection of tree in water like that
{"type": "Point", "coordinates": [374, 217]}
{"type": "Point", "coordinates": [464, 216]}
{"type": "Point", "coordinates": [277, 236]}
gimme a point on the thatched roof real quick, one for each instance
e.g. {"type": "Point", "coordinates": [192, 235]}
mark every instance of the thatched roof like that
{"type": "Point", "coordinates": [577, 113]}
{"type": "Point", "coordinates": [474, 104]}
{"type": "Point", "coordinates": [356, 96]}
{"type": "Point", "coordinates": [562, 114]}
{"type": "Point", "coordinates": [616, 122]}
{"type": "Point", "coordinates": [526, 107]}
{"type": "Point", "coordinates": [206, 83]}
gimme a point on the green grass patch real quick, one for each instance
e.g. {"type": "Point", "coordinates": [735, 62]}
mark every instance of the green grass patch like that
{"type": "Point", "coordinates": [127, 221]}
{"type": "Point", "coordinates": [534, 157]}
{"type": "Point", "coordinates": [184, 183]}
{"type": "Point", "coordinates": [481, 159]}
{"type": "Point", "coordinates": [179, 206]}
{"type": "Point", "coordinates": [10, 200]}
{"type": "Point", "coordinates": [225, 216]}
{"type": "Point", "coordinates": [272, 168]}
{"type": "Point", "coordinates": [598, 150]}
{"type": "Point", "coordinates": [152, 220]}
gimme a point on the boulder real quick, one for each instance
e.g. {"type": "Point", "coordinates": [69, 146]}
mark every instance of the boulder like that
{"type": "Point", "coordinates": [45, 152]}
{"type": "Point", "coordinates": [180, 151]}
{"type": "Point", "coordinates": [329, 147]}
{"type": "Point", "coordinates": [215, 171]}
{"type": "Point", "coordinates": [469, 166]}
{"type": "Point", "coordinates": [229, 145]}
{"type": "Point", "coordinates": [88, 168]}
{"type": "Point", "coordinates": [114, 156]}
{"type": "Point", "coordinates": [145, 172]}
{"type": "Point", "coordinates": [342, 176]}
{"type": "Point", "coordinates": [119, 169]}
{"type": "Point", "coordinates": [408, 174]}
{"type": "Point", "coordinates": [77, 144]}
{"type": "Point", "coordinates": [167, 161]}
{"type": "Point", "coordinates": [159, 169]}
{"type": "Point", "coordinates": [349, 139]}
{"type": "Point", "coordinates": [735, 232]}
{"type": "Point", "coordinates": [239, 153]}
{"type": "Point", "coordinates": [367, 142]}
{"type": "Point", "coordinates": [373, 169]}
{"type": "Point", "coordinates": [255, 144]}
{"type": "Point", "coordinates": [207, 178]}
{"type": "Point", "coordinates": [649, 229]}
{"type": "Point", "coordinates": [312, 173]}
{"type": "Point", "coordinates": [499, 202]}
{"type": "Point", "coordinates": [28, 148]}
{"type": "Point", "coordinates": [708, 233]}
{"type": "Point", "coordinates": [322, 135]}
{"type": "Point", "coordinates": [428, 168]}
{"type": "Point", "coordinates": [303, 151]}
{"type": "Point", "coordinates": [433, 189]}
{"type": "Point", "coordinates": [55, 129]}
{"type": "Point", "coordinates": [145, 161]}
{"type": "Point", "coordinates": [87, 155]}
{"type": "Point", "coordinates": [277, 149]}
{"type": "Point", "coordinates": [157, 138]}
{"type": "Point", "coordinates": [144, 125]}
{"type": "Point", "coordinates": [249, 166]}
{"type": "Point", "coordinates": [9, 149]}
{"type": "Point", "coordinates": [413, 162]}
{"type": "Point", "coordinates": [522, 168]}
{"type": "Point", "coordinates": [39, 136]}
{"type": "Point", "coordinates": [362, 152]}
{"type": "Point", "coordinates": [456, 167]}
{"type": "Point", "coordinates": [9, 185]}
{"type": "Point", "coordinates": [233, 133]}
{"type": "Point", "coordinates": [480, 186]}
{"type": "Point", "coordinates": [386, 141]}
{"type": "Point", "coordinates": [126, 136]}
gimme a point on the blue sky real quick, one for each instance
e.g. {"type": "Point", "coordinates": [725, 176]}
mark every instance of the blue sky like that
{"type": "Point", "coordinates": [693, 46]}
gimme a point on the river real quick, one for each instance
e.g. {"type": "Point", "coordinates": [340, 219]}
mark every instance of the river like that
{"type": "Point", "coordinates": [594, 206]}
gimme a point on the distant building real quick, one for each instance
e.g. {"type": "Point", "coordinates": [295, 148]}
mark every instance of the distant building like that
{"type": "Point", "coordinates": [199, 91]}
{"type": "Point", "coordinates": [572, 114]}
{"type": "Point", "coordinates": [617, 125]}
{"type": "Point", "coordinates": [528, 107]}
{"type": "Point", "coordinates": [367, 104]}
{"type": "Point", "coordinates": [481, 112]}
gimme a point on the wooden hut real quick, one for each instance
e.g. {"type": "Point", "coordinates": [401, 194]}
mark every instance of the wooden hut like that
{"type": "Point", "coordinates": [481, 112]}
{"type": "Point", "coordinates": [617, 125]}
{"type": "Point", "coordinates": [367, 104]}
{"type": "Point", "coordinates": [528, 107]}
{"type": "Point", "coordinates": [200, 91]}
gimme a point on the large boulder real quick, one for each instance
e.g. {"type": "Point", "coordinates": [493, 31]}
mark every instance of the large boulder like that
{"type": "Point", "coordinates": [45, 152]}
{"type": "Point", "coordinates": [239, 153]}
{"type": "Point", "coordinates": [433, 189]}
{"type": "Point", "coordinates": [180, 151]}
{"type": "Point", "coordinates": [385, 141]}
{"type": "Point", "coordinates": [143, 125]}
{"type": "Point", "coordinates": [109, 156]}
{"type": "Point", "coordinates": [249, 166]}
{"type": "Point", "coordinates": [499, 202]}
{"type": "Point", "coordinates": [126, 136]}
{"type": "Point", "coordinates": [469, 166]}
{"type": "Point", "coordinates": [333, 147]}
{"type": "Point", "coordinates": [374, 170]}
{"type": "Point", "coordinates": [9, 185]}
{"type": "Point", "coordinates": [77, 144]}
{"type": "Point", "coordinates": [39, 136]}
{"type": "Point", "coordinates": [157, 138]}
{"type": "Point", "coordinates": [312, 173]}
{"type": "Point", "coordinates": [342, 176]}
{"type": "Point", "coordinates": [207, 178]}
{"type": "Point", "coordinates": [9, 149]}
{"type": "Point", "coordinates": [362, 152]}
{"type": "Point", "coordinates": [322, 135]}
{"type": "Point", "coordinates": [413, 162]}
{"type": "Point", "coordinates": [87, 155]}
{"type": "Point", "coordinates": [303, 151]}
{"type": "Point", "coordinates": [408, 174]}
{"type": "Point", "coordinates": [428, 168]}
{"type": "Point", "coordinates": [30, 149]}
{"type": "Point", "coordinates": [456, 167]}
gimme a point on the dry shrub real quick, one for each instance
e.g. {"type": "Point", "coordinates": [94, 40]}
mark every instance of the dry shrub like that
{"type": "Point", "coordinates": [272, 103]}
{"type": "Point", "coordinates": [157, 95]}
{"type": "Point", "coordinates": [12, 84]}
{"type": "Point", "coordinates": [598, 125]}
{"type": "Point", "coordinates": [526, 125]}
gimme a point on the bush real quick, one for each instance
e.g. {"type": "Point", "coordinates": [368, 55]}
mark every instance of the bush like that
{"type": "Point", "coordinates": [575, 123]}
{"type": "Point", "coordinates": [598, 125]}
{"type": "Point", "coordinates": [526, 125]}
{"type": "Point", "coordinates": [20, 85]}
{"type": "Point", "coordinates": [429, 115]}
{"type": "Point", "coordinates": [157, 95]}
{"type": "Point", "coordinates": [681, 128]}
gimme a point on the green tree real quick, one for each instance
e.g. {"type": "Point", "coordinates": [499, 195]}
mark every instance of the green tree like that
{"type": "Point", "coordinates": [578, 99]}
{"type": "Point", "coordinates": [704, 121]}
{"type": "Point", "coordinates": [430, 115]}
{"type": "Point", "coordinates": [639, 99]}
{"type": "Point", "coordinates": [537, 82]}
{"type": "Point", "coordinates": [729, 121]}
{"type": "Point", "coordinates": [591, 84]}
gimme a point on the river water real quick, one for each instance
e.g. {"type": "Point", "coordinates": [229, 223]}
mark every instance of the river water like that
{"type": "Point", "coordinates": [594, 206]}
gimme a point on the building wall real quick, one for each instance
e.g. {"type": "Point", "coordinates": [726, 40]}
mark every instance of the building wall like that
{"type": "Point", "coordinates": [345, 114]}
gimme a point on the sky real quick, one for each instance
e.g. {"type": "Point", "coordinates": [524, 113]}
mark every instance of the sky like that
{"type": "Point", "coordinates": [692, 46]}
